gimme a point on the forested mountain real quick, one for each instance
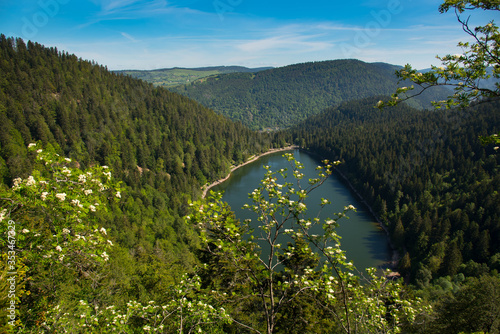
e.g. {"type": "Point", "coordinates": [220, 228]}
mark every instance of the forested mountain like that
{"type": "Point", "coordinates": [166, 77]}
{"type": "Point", "coordinates": [282, 97]}
{"type": "Point", "coordinates": [95, 115]}
{"type": "Point", "coordinates": [426, 175]}
{"type": "Point", "coordinates": [162, 146]}
{"type": "Point", "coordinates": [97, 170]}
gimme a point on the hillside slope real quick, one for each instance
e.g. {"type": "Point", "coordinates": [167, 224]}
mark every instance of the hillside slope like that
{"type": "Point", "coordinates": [426, 175]}
{"type": "Point", "coordinates": [281, 97]}
{"type": "Point", "coordinates": [162, 146]}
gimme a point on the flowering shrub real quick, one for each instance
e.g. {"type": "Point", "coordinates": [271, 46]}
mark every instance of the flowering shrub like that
{"type": "Point", "coordinates": [54, 210]}
{"type": "Point", "coordinates": [51, 215]}
{"type": "Point", "coordinates": [312, 267]}
{"type": "Point", "coordinates": [55, 206]}
{"type": "Point", "coordinates": [189, 309]}
{"type": "Point", "coordinates": [61, 250]}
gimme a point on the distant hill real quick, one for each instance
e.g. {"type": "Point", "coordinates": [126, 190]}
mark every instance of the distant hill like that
{"type": "Point", "coordinates": [281, 97]}
{"type": "Point", "coordinates": [162, 146]}
{"type": "Point", "coordinates": [179, 76]}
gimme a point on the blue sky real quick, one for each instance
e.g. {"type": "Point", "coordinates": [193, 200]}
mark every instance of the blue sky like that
{"type": "Point", "coordinates": [140, 34]}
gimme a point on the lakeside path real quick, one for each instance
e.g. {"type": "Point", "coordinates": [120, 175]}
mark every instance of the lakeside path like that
{"type": "Point", "coordinates": [274, 150]}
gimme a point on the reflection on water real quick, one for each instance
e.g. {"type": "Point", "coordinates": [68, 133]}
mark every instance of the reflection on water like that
{"type": "Point", "coordinates": [363, 240]}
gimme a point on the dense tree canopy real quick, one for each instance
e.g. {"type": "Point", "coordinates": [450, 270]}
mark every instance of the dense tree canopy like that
{"type": "Point", "coordinates": [283, 96]}
{"type": "Point", "coordinates": [163, 147]}
{"type": "Point", "coordinates": [97, 170]}
{"type": "Point", "coordinates": [426, 175]}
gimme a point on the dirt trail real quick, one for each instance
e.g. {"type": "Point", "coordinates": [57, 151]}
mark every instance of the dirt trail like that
{"type": "Point", "coordinates": [288, 148]}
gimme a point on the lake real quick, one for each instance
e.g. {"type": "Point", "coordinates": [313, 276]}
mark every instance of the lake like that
{"type": "Point", "coordinates": [363, 240]}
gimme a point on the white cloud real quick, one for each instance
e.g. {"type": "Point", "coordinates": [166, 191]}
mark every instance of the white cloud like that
{"type": "Point", "coordinates": [129, 37]}
{"type": "Point", "coordinates": [295, 43]}
{"type": "Point", "coordinates": [176, 38]}
{"type": "Point", "coordinates": [136, 9]}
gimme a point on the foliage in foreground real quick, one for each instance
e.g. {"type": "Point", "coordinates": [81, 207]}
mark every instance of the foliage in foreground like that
{"type": "Point", "coordinates": [56, 259]}
{"type": "Point", "coordinates": [280, 277]}
{"type": "Point", "coordinates": [290, 271]}
{"type": "Point", "coordinates": [63, 257]}
{"type": "Point", "coordinates": [466, 72]}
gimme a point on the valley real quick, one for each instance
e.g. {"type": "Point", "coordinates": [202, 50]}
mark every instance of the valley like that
{"type": "Point", "coordinates": [104, 175]}
{"type": "Point", "coordinates": [282, 97]}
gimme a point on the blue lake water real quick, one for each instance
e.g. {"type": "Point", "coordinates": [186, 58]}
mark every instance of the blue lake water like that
{"type": "Point", "coordinates": [363, 240]}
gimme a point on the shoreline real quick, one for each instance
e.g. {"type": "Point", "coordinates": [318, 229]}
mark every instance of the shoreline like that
{"type": "Point", "coordinates": [257, 157]}
{"type": "Point", "coordinates": [395, 254]}
{"type": "Point", "coordinates": [393, 263]}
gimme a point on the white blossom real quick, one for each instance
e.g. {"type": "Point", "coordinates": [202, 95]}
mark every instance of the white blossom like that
{"type": "Point", "coordinates": [3, 214]}
{"type": "Point", "coordinates": [118, 194]}
{"type": "Point", "coordinates": [17, 181]}
{"type": "Point", "coordinates": [58, 248]}
{"type": "Point", "coordinates": [31, 145]}
{"type": "Point", "coordinates": [44, 195]}
{"type": "Point", "coordinates": [31, 181]}
{"type": "Point", "coordinates": [92, 208]}
{"type": "Point", "coordinates": [87, 191]}
{"type": "Point", "coordinates": [103, 231]}
{"type": "Point", "coordinates": [25, 231]}
{"type": "Point", "coordinates": [61, 196]}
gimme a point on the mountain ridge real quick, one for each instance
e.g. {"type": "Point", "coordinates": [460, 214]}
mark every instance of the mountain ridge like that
{"type": "Point", "coordinates": [204, 68]}
{"type": "Point", "coordinates": [283, 96]}
{"type": "Point", "coordinates": [180, 75]}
